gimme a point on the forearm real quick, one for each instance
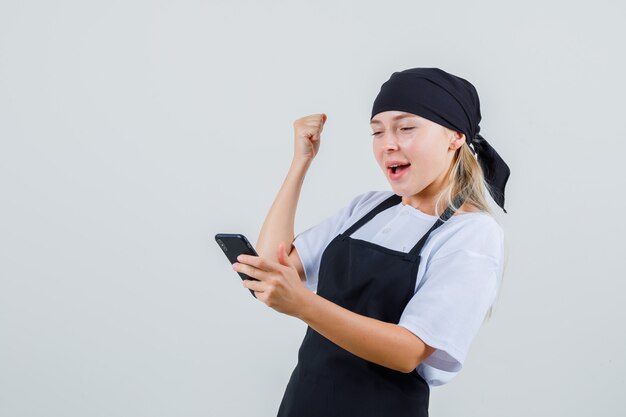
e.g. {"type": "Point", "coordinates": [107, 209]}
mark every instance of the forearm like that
{"type": "Point", "coordinates": [383, 343]}
{"type": "Point", "coordinates": [279, 222]}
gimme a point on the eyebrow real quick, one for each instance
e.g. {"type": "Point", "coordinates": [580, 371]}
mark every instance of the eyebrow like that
{"type": "Point", "coordinates": [401, 116]}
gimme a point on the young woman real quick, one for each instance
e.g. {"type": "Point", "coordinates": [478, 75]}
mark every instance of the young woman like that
{"type": "Point", "coordinates": [393, 288]}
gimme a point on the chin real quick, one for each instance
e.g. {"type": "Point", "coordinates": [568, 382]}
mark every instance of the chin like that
{"type": "Point", "coordinates": [405, 191]}
{"type": "Point", "coordinates": [399, 190]}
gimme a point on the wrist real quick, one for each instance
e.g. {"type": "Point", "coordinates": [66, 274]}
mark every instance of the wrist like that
{"type": "Point", "coordinates": [307, 304]}
{"type": "Point", "coordinates": [301, 162]}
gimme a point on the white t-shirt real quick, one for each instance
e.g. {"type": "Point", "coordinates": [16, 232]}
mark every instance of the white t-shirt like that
{"type": "Point", "coordinates": [457, 281]}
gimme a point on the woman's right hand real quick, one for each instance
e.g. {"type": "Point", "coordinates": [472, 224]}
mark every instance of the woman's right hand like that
{"type": "Point", "coordinates": [307, 131]}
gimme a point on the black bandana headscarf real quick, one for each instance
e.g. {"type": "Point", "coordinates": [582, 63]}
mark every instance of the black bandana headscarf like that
{"type": "Point", "coordinates": [449, 101]}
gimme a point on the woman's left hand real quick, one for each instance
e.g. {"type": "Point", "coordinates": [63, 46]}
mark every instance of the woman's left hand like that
{"type": "Point", "coordinates": [279, 285]}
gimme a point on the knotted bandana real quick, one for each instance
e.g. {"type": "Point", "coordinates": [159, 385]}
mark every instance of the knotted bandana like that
{"type": "Point", "coordinates": [452, 102]}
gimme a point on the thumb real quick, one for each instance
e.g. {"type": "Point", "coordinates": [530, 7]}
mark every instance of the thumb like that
{"type": "Point", "coordinates": [283, 256]}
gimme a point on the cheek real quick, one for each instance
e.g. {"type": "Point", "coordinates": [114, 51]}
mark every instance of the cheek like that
{"type": "Point", "coordinates": [427, 158]}
{"type": "Point", "coordinates": [378, 152]}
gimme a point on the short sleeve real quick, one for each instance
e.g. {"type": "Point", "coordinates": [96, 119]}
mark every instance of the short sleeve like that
{"type": "Point", "coordinates": [311, 243]}
{"type": "Point", "coordinates": [446, 312]}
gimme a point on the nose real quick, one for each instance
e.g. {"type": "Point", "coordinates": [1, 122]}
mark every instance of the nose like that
{"type": "Point", "coordinates": [390, 142]}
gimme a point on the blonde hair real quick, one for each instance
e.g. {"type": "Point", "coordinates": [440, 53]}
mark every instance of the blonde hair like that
{"type": "Point", "coordinates": [466, 179]}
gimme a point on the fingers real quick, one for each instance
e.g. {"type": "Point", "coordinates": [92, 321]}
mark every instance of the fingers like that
{"type": "Point", "coordinates": [317, 124]}
{"type": "Point", "coordinates": [257, 286]}
{"type": "Point", "coordinates": [259, 262]}
{"type": "Point", "coordinates": [307, 133]}
{"type": "Point", "coordinates": [322, 120]}
{"type": "Point", "coordinates": [250, 271]}
{"type": "Point", "coordinates": [283, 256]}
{"type": "Point", "coordinates": [255, 266]}
{"type": "Point", "coordinates": [313, 123]}
{"type": "Point", "coordinates": [282, 253]}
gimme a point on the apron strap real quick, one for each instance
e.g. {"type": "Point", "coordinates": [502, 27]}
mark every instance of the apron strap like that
{"type": "Point", "coordinates": [393, 200]}
{"type": "Point", "coordinates": [389, 202]}
{"type": "Point", "coordinates": [448, 212]}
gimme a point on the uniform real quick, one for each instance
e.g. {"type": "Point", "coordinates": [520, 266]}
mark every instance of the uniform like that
{"type": "Point", "coordinates": [385, 283]}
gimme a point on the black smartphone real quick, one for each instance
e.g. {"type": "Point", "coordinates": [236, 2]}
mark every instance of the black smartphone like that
{"type": "Point", "coordinates": [234, 245]}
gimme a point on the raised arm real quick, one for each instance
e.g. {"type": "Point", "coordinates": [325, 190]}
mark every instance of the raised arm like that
{"type": "Point", "coordinates": [279, 222]}
{"type": "Point", "coordinates": [383, 343]}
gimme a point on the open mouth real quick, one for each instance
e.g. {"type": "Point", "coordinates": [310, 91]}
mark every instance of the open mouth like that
{"type": "Point", "coordinates": [398, 168]}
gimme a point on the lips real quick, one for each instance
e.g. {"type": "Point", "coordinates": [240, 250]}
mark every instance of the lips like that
{"type": "Point", "coordinates": [394, 166]}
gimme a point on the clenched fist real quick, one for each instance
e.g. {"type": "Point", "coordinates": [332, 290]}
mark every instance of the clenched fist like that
{"type": "Point", "coordinates": [307, 131]}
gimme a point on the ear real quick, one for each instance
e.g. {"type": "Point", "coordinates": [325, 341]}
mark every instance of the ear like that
{"type": "Point", "coordinates": [457, 139]}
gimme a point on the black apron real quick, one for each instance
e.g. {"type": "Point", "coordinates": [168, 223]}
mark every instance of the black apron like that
{"type": "Point", "coordinates": [373, 281]}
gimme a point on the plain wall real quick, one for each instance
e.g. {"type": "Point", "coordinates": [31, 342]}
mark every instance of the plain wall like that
{"type": "Point", "coordinates": [133, 131]}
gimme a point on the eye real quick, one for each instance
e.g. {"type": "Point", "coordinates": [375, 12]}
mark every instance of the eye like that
{"type": "Point", "coordinates": [375, 133]}
{"type": "Point", "coordinates": [407, 128]}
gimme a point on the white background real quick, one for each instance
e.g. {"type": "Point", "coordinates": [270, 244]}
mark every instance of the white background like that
{"type": "Point", "coordinates": [133, 131]}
